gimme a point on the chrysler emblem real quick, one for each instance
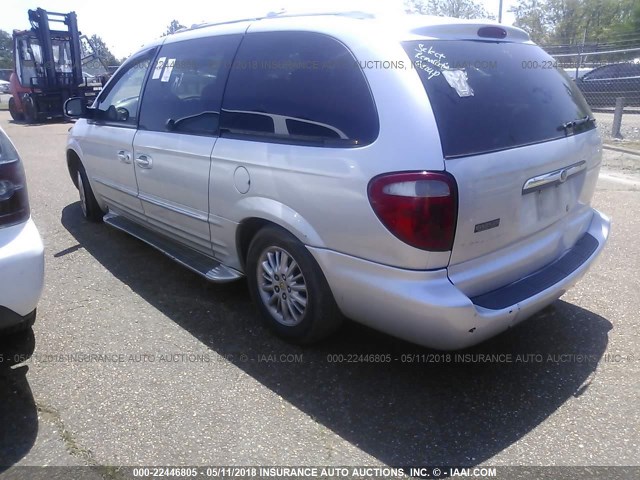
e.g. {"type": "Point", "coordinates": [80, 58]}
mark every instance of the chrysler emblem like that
{"type": "Point", "coordinates": [563, 176]}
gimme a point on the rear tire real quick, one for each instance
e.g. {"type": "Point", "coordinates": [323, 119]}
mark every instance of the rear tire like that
{"type": "Point", "coordinates": [13, 110]}
{"type": "Point", "coordinates": [88, 204]}
{"type": "Point", "coordinates": [289, 288]}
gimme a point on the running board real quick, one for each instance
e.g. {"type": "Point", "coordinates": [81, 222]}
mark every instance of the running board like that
{"type": "Point", "coordinates": [203, 265]}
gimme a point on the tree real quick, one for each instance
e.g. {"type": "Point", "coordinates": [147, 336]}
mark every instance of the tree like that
{"type": "Point", "coordinates": [573, 22]}
{"type": "Point", "coordinates": [447, 8]}
{"type": "Point", "coordinates": [103, 52]}
{"type": "Point", "coordinates": [173, 27]}
{"type": "Point", "coordinates": [6, 50]}
{"type": "Point", "coordinates": [631, 24]}
{"type": "Point", "coordinates": [533, 17]}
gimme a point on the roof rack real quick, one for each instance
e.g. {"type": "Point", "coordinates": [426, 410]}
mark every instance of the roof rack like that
{"type": "Point", "coordinates": [283, 14]}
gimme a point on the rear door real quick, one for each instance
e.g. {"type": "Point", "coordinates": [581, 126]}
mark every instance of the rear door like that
{"type": "Point", "coordinates": [519, 139]}
{"type": "Point", "coordinates": [178, 129]}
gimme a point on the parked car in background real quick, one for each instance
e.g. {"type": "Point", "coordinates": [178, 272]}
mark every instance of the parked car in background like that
{"type": "Point", "coordinates": [411, 176]}
{"type": "Point", "coordinates": [21, 250]}
{"type": "Point", "coordinates": [575, 75]}
{"type": "Point", "coordinates": [602, 85]}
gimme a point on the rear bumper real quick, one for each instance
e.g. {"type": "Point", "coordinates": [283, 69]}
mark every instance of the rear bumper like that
{"type": "Point", "coordinates": [424, 307]}
{"type": "Point", "coordinates": [22, 273]}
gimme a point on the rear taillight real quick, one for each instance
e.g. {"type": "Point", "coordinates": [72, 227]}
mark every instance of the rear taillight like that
{"type": "Point", "coordinates": [420, 208]}
{"type": "Point", "coordinates": [14, 201]}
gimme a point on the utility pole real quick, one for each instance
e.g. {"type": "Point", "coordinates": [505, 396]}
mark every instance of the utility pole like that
{"type": "Point", "coordinates": [500, 13]}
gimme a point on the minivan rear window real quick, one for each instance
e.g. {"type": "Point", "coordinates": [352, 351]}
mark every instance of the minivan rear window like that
{"type": "Point", "coordinates": [491, 96]}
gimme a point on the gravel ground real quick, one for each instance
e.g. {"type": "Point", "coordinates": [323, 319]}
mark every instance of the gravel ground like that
{"type": "Point", "coordinates": [620, 161]}
{"type": "Point", "coordinates": [630, 128]}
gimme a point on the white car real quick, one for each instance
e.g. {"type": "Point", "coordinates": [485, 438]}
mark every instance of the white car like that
{"type": "Point", "coordinates": [4, 86]}
{"type": "Point", "coordinates": [21, 249]}
{"type": "Point", "coordinates": [414, 176]}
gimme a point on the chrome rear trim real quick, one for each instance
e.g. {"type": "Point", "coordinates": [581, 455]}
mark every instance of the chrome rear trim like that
{"type": "Point", "coordinates": [550, 179]}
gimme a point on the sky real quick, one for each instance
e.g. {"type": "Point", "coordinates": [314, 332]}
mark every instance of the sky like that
{"type": "Point", "coordinates": [125, 25]}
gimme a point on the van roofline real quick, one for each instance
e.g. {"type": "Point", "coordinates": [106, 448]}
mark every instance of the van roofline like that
{"type": "Point", "coordinates": [282, 14]}
{"type": "Point", "coordinates": [407, 26]}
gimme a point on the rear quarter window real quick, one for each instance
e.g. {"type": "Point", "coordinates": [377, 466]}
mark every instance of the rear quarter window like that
{"type": "Point", "coordinates": [491, 96]}
{"type": "Point", "coordinates": [300, 88]}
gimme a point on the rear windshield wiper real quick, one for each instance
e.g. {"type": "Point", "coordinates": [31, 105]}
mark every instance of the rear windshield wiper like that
{"type": "Point", "coordinates": [576, 123]}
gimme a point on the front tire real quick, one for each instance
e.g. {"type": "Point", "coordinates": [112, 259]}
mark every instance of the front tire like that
{"type": "Point", "coordinates": [88, 203]}
{"type": "Point", "coordinates": [30, 110]}
{"type": "Point", "coordinates": [13, 110]}
{"type": "Point", "coordinates": [289, 288]}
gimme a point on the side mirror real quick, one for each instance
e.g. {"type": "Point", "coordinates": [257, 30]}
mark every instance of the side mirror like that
{"type": "Point", "coordinates": [76, 107]}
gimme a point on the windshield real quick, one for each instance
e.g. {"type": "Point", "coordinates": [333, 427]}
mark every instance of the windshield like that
{"type": "Point", "coordinates": [490, 96]}
{"type": "Point", "coordinates": [61, 55]}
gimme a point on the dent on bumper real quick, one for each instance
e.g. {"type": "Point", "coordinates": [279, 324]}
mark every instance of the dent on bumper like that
{"type": "Point", "coordinates": [424, 307]}
{"type": "Point", "coordinates": [22, 267]}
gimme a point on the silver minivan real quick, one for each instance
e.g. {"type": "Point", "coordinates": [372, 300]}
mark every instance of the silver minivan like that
{"type": "Point", "coordinates": [430, 178]}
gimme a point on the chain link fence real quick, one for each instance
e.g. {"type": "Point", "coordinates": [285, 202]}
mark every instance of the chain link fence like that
{"type": "Point", "coordinates": [609, 79]}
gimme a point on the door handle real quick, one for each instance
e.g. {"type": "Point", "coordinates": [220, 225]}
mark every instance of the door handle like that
{"type": "Point", "coordinates": [144, 161]}
{"type": "Point", "coordinates": [124, 157]}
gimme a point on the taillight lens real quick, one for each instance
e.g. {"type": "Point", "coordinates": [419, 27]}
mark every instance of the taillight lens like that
{"type": "Point", "coordinates": [14, 201]}
{"type": "Point", "coordinates": [420, 208]}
